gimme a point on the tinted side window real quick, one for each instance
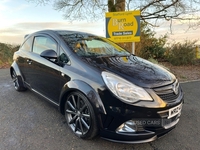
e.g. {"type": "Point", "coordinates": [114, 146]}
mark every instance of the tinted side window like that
{"type": "Point", "coordinates": [63, 57]}
{"type": "Point", "coordinates": [43, 43]}
{"type": "Point", "coordinates": [27, 45]}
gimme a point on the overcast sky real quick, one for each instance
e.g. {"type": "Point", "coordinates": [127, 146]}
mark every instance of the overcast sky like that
{"type": "Point", "coordinates": [19, 17]}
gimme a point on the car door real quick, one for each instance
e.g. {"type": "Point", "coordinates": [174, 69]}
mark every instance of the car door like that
{"type": "Point", "coordinates": [44, 74]}
{"type": "Point", "coordinates": [24, 54]}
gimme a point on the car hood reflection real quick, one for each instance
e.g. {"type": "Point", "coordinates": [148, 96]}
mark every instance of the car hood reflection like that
{"type": "Point", "coordinates": [137, 70]}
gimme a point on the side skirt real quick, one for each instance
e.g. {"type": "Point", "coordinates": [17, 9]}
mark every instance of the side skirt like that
{"type": "Point", "coordinates": [35, 91]}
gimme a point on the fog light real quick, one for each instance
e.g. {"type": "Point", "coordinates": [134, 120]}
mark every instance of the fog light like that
{"type": "Point", "coordinates": [129, 126]}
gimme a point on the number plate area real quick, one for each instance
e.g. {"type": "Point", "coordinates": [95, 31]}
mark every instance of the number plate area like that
{"type": "Point", "coordinates": [174, 111]}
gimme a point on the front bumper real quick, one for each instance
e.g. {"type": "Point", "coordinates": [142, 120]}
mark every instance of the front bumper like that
{"type": "Point", "coordinates": [134, 138]}
{"type": "Point", "coordinates": [148, 127]}
{"type": "Point", "coordinates": [145, 133]}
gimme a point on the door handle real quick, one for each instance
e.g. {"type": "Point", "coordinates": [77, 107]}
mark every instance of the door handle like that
{"type": "Point", "coordinates": [29, 61]}
{"type": "Point", "coordinates": [62, 74]}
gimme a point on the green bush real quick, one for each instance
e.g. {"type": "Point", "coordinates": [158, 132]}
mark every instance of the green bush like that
{"type": "Point", "coordinates": [182, 53]}
{"type": "Point", "coordinates": [156, 50]}
{"type": "Point", "coordinates": [149, 45]}
{"type": "Point", "coordinates": [6, 53]}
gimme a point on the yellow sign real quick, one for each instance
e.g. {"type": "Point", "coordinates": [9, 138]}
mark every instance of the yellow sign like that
{"type": "Point", "coordinates": [123, 26]}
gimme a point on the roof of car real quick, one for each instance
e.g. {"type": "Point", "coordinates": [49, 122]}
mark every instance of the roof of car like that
{"type": "Point", "coordinates": [60, 32]}
{"type": "Point", "coordinates": [63, 32]}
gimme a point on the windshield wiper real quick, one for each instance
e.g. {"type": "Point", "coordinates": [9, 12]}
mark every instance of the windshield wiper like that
{"type": "Point", "coordinates": [89, 54]}
{"type": "Point", "coordinates": [118, 55]}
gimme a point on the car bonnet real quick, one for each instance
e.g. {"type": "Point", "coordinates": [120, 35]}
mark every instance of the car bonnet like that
{"type": "Point", "coordinates": [134, 69]}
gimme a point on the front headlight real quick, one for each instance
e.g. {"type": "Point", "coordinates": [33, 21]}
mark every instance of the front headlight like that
{"type": "Point", "coordinates": [125, 90]}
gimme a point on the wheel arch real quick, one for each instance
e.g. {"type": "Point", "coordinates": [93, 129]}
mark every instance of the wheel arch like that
{"type": "Point", "coordinates": [84, 88]}
{"type": "Point", "coordinates": [15, 67]}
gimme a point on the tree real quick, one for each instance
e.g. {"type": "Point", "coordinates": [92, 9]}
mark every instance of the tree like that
{"type": "Point", "coordinates": [150, 46]}
{"type": "Point", "coordinates": [152, 11]}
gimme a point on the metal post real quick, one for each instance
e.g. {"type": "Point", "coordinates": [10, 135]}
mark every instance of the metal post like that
{"type": "Point", "coordinates": [133, 47]}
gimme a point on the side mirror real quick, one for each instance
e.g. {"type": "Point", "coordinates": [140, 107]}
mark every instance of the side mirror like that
{"type": "Point", "coordinates": [49, 54]}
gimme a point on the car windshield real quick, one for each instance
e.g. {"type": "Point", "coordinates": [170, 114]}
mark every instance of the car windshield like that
{"type": "Point", "coordinates": [85, 45]}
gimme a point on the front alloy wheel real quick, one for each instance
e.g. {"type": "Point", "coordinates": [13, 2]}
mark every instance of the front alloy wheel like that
{"type": "Point", "coordinates": [80, 116]}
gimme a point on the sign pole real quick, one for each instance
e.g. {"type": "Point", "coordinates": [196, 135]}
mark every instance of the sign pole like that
{"type": "Point", "coordinates": [133, 47]}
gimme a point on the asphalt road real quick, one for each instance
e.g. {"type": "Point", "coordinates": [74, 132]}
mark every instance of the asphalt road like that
{"type": "Point", "coordinates": [28, 122]}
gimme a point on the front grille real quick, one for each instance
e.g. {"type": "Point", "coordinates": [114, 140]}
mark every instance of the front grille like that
{"type": "Point", "coordinates": [168, 93]}
{"type": "Point", "coordinates": [170, 97]}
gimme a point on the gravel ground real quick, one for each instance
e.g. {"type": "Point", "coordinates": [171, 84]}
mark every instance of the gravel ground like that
{"type": "Point", "coordinates": [27, 122]}
{"type": "Point", "coordinates": [184, 73]}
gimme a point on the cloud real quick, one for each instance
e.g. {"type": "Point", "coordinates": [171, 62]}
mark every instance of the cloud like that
{"type": "Point", "coordinates": [2, 7]}
{"type": "Point", "coordinates": [18, 30]}
{"type": "Point", "coordinates": [179, 31]}
{"type": "Point", "coordinates": [79, 26]}
{"type": "Point", "coordinates": [8, 7]}
{"type": "Point", "coordinates": [15, 32]}
{"type": "Point", "coordinates": [11, 39]}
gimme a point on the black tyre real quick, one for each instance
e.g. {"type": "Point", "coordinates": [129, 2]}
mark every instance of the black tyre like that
{"type": "Point", "coordinates": [80, 116]}
{"type": "Point", "coordinates": [17, 82]}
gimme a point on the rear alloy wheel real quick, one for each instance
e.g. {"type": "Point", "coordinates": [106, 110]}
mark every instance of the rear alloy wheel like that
{"type": "Point", "coordinates": [17, 83]}
{"type": "Point", "coordinates": [80, 116]}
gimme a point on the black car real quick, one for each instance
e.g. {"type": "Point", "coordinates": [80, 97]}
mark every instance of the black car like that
{"type": "Point", "coordinates": [100, 88]}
